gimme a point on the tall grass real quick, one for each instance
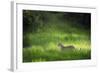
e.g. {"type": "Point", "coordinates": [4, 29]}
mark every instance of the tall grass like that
{"type": "Point", "coordinates": [45, 48]}
{"type": "Point", "coordinates": [38, 55]}
{"type": "Point", "coordinates": [43, 45]}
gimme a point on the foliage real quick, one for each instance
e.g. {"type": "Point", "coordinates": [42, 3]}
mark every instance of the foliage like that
{"type": "Point", "coordinates": [43, 30]}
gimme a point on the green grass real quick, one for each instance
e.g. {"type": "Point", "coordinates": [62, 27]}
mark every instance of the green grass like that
{"type": "Point", "coordinates": [38, 55]}
{"type": "Point", "coordinates": [43, 45]}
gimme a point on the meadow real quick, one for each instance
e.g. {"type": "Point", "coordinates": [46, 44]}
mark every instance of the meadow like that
{"type": "Point", "coordinates": [40, 41]}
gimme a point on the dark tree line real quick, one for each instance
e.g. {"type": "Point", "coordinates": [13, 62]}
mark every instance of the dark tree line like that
{"type": "Point", "coordinates": [33, 21]}
{"type": "Point", "coordinates": [83, 19]}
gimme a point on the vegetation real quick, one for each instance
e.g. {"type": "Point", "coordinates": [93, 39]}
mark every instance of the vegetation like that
{"type": "Point", "coordinates": [44, 30]}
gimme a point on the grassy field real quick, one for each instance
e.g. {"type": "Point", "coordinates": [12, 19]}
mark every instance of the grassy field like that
{"type": "Point", "coordinates": [43, 44]}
